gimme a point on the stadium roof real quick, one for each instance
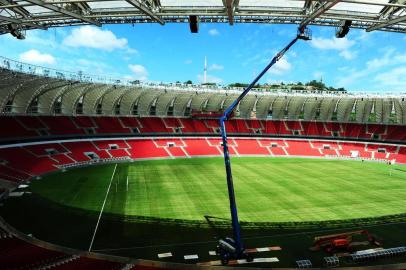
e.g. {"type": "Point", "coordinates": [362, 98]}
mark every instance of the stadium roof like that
{"type": "Point", "coordinates": [385, 15]}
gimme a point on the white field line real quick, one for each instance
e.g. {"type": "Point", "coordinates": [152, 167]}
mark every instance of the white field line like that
{"type": "Point", "coordinates": [101, 211]}
{"type": "Point", "coordinates": [127, 182]}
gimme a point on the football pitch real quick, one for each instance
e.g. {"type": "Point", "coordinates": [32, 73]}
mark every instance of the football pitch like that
{"type": "Point", "coordinates": [267, 189]}
{"type": "Point", "coordinates": [143, 208]}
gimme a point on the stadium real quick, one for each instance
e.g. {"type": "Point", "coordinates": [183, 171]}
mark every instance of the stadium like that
{"type": "Point", "coordinates": [105, 173]}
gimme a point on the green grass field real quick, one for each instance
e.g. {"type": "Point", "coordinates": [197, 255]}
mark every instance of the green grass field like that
{"type": "Point", "coordinates": [267, 189]}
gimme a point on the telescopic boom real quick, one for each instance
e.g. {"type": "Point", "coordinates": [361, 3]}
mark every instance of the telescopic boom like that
{"type": "Point", "coordinates": [302, 34]}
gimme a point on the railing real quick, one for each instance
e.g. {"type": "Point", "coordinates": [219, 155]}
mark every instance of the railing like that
{"type": "Point", "coordinates": [17, 66]}
{"type": "Point", "coordinates": [379, 160]}
{"type": "Point", "coordinates": [79, 76]}
{"type": "Point", "coordinates": [93, 161]}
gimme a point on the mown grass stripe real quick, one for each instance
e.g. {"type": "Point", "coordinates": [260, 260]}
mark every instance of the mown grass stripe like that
{"type": "Point", "coordinates": [267, 189]}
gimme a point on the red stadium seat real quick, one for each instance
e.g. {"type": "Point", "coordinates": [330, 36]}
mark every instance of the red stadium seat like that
{"type": "Point", "coordinates": [201, 147]}
{"type": "Point", "coordinates": [145, 148]}
{"type": "Point", "coordinates": [14, 129]}
{"type": "Point", "coordinates": [110, 125]}
{"type": "Point", "coordinates": [17, 254]}
{"type": "Point", "coordinates": [250, 147]}
{"type": "Point", "coordinates": [61, 125]}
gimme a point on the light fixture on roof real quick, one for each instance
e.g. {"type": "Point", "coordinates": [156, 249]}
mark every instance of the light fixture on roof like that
{"type": "Point", "coordinates": [194, 23]}
{"type": "Point", "coordinates": [16, 31]}
{"type": "Point", "coordinates": [343, 28]}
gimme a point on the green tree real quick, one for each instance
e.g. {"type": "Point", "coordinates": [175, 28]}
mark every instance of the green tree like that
{"type": "Point", "coordinates": [316, 84]}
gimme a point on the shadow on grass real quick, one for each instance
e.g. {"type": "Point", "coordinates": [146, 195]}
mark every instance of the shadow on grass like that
{"type": "Point", "coordinates": [145, 237]}
{"type": "Point", "coordinates": [217, 222]}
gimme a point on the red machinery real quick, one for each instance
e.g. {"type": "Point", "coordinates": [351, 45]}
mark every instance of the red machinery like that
{"type": "Point", "coordinates": [342, 241]}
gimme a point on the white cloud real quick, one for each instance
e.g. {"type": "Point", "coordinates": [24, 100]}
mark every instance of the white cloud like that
{"type": "Point", "coordinates": [188, 62]}
{"type": "Point", "coordinates": [318, 74]}
{"type": "Point", "coordinates": [41, 38]}
{"type": "Point", "coordinates": [373, 66]}
{"type": "Point", "coordinates": [281, 67]}
{"type": "Point", "coordinates": [342, 45]}
{"type": "Point", "coordinates": [216, 67]}
{"type": "Point", "coordinates": [387, 59]}
{"type": "Point", "coordinates": [348, 55]}
{"type": "Point", "coordinates": [131, 50]}
{"type": "Point", "coordinates": [139, 72]}
{"type": "Point", "coordinates": [96, 38]}
{"type": "Point", "coordinates": [92, 66]}
{"type": "Point", "coordinates": [35, 57]}
{"type": "Point", "coordinates": [210, 79]}
{"type": "Point", "coordinates": [363, 35]}
{"type": "Point", "coordinates": [392, 80]}
{"type": "Point", "coordinates": [292, 54]}
{"type": "Point", "coordinates": [214, 32]}
{"type": "Point", "coordinates": [339, 44]}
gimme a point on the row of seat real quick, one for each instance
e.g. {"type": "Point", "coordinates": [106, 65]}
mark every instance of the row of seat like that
{"type": "Point", "coordinates": [19, 254]}
{"type": "Point", "coordinates": [20, 127]}
{"type": "Point", "coordinates": [19, 163]}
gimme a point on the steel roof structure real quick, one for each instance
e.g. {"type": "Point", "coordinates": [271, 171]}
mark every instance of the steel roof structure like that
{"type": "Point", "coordinates": [384, 15]}
{"type": "Point", "coordinates": [28, 89]}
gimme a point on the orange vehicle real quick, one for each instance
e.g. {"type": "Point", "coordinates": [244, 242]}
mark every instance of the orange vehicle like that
{"type": "Point", "coordinates": [340, 242]}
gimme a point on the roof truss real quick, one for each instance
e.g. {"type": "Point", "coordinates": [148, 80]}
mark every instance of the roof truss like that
{"type": "Point", "coordinates": [387, 13]}
{"type": "Point", "coordinates": [144, 9]}
{"type": "Point", "coordinates": [231, 6]}
{"type": "Point", "coordinates": [18, 10]}
{"type": "Point", "coordinates": [63, 11]}
{"type": "Point", "coordinates": [384, 15]}
{"type": "Point", "coordinates": [319, 10]}
{"type": "Point", "coordinates": [19, 22]}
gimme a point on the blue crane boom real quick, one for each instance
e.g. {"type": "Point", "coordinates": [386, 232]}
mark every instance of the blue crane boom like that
{"type": "Point", "coordinates": [304, 34]}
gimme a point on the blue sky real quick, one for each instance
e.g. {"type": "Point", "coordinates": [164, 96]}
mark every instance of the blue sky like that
{"type": "Point", "coordinates": [366, 62]}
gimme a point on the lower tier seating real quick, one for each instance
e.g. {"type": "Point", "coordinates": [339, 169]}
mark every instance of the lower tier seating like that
{"type": "Point", "coordinates": [17, 254]}
{"type": "Point", "coordinates": [20, 163]}
{"type": "Point", "coordinates": [88, 264]}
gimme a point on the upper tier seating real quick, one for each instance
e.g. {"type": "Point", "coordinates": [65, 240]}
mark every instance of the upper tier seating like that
{"type": "Point", "coordinates": [107, 125]}
{"type": "Point", "coordinates": [11, 128]}
{"type": "Point", "coordinates": [154, 125]}
{"type": "Point", "coordinates": [195, 126]}
{"type": "Point", "coordinates": [61, 126]}
{"type": "Point", "coordinates": [20, 127]}
{"type": "Point", "coordinates": [83, 122]}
